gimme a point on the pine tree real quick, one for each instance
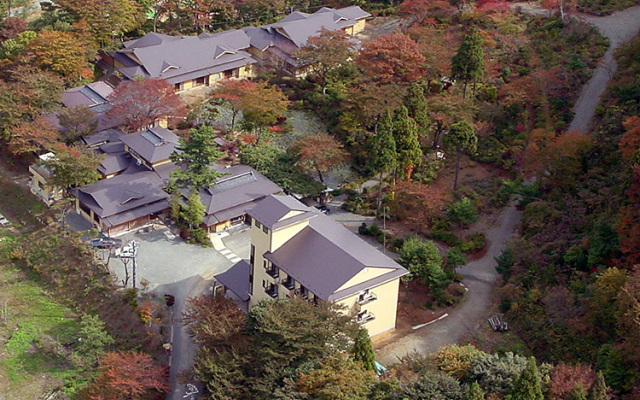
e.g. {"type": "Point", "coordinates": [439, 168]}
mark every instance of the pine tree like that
{"type": "Point", "coordinates": [416, 104]}
{"type": "Point", "coordinates": [461, 138]}
{"type": "Point", "coordinates": [383, 156]}
{"type": "Point", "coordinates": [363, 350]}
{"type": "Point", "coordinates": [196, 158]}
{"type": "Point", "coordinates": [474, 392]}
{"type": "Point", "coordinates": [528, 386]}
{"type": "Point", "coordinates": [599, 388]}
{"type": "Point", "coordinates": [468, 63]}
{"type": "Point", "coordinates": [577, 393]}
{"type": "Point", "coordinates": [407, 145]}
{"type": "Point", "coordinates": [195, 211]}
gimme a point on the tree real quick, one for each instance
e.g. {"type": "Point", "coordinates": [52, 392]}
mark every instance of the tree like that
{"type": "Point", "coordinates": [629, 144]}
{"type": "Point", "coordinates": [416, 104]}
{"type": "Point", "coordinates": [455, 258]}
{"type": "Point", "coordinates": [60, 52]}
{"type": "Point", "coordinates": [392, 58]}
{"type": "Point", "coordinates": [384, 156]}
{"type": "Point", "coordinates": [262, 106]}
{"type": "Point", "coordinates": [474, 392]}
{"type": "Point", "coordinates": [433, 386]}
{"type": "Point", "coordinates": [577, 393]}
{"type": "Point", "coordinates": [231, 91]}
{"type": "Point", "coordinates": [461, 139]}
{"type": "Point", "coordinates": [463, 211]}
{"type": "Point", "coordinates": [202, 13]}
{"type": "Point", "coordinates": [11, 27]}
{"type": "Point", "coordinates": [417, 204]}
{"type": "Point", "coordinates": [32, 136]}
{"type": "Point", "coordinates": [194, 211]}
{"type": "Point", "coordinates": [325, 53]}
{"type": "Point", "coordinates": [214, 321]}
{"type": "Point", "coordinates": [496, 373]}
{"type": "Point", "coordinates": [565, 378]}
{"type": "Point", "coordinates": [456, 360]}
{"type": "Point", "coordinates": [468, 63]}
{"type": "Point", "coordinates": [196, 157]}
{"type": "Point", "coordinates": [628, 317]}
{"type": "Point", "coordinates": [407, 146]}
{"type": "Point", "coordinates": [338, 378]}
{"type": "Point", "coordinates": [126, 376]}
{"type": "Point", "coordinates": [106, 19]}
{"type": "Point", "coordinates": [561, 5]}
{"type": "Point", "coordinates": [77, 122]}
{"type": "Point", "coordinates": [629, 224]}
{"type": "Point", "coordinates": [424, 261]}
{"type": "Point", "coordinates": [599, 388]}
{"type": "Point", "coordinates": [93, 340]}
{"type": "Point", "coordinates": [73, 166]}
{"type": "Point", "coordinates": [528, 386]}
{"type": "Point", "coordinates": [319, 153]}
{"type": "Point", "coordinates": [363, 350]}
{"type": "Point", "coordinates": [141, 102]}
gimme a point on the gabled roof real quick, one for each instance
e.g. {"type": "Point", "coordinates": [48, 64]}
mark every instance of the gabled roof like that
{"type": "Point", "coordinates": [123, 193]}
{"type": "Point", "coordinates": [324, 256]}
{"type": "Point", "coordinates": [152, 144]}
{"type": "Point", "coordinates": [91, 95]}
{"type": "Point", "coordinates": [179, 58]}
{"type": "Point", "coordinates": [235, 193]}
{"type": "Point", "coordinates": [276, 212]}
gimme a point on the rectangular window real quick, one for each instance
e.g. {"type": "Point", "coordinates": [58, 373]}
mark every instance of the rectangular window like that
{"type": "Point", "coordinates": [258, 224]}
{"type": "Point", "coordinates": [265, 229]}
{"type": "Point", "coordinates": [252, 259]}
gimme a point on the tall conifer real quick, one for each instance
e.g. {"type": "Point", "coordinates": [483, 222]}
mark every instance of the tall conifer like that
{"type": "Point", "coordinates": [407, 145]}
{"type": "Point", "coordinates": [467, 64]}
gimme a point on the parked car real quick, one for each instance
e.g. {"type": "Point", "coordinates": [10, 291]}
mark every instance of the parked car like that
{"type": "Point", "coordinates": [106, 243]}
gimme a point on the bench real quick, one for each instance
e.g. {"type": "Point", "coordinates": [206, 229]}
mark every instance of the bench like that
{"type": "Point", "coordinates": [498, 324]}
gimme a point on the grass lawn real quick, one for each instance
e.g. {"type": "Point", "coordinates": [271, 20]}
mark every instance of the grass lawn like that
{"type": "Point", "coordinates": [33, 333]}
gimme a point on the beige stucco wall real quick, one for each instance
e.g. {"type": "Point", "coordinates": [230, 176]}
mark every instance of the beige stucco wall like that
{"type": "Point", "coordinates": [364, 275]}
{"type": "Point", "coordinates": [257, 53]}
{"type": "Point", "coordinates": [42, 189]}
{"type": "Point", "coordinates": [359, 27]}
{"type": "Point", "coordinates": [384, 307]}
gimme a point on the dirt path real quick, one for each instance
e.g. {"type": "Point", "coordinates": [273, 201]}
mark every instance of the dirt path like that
{"type": "Point", "coordinates": [618, 27]}
{"type": "Point", "coordinates": [479, 276]}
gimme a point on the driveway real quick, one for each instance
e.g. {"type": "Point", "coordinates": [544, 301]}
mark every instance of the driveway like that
{"type": "Point", "coordinates": [183, 270]}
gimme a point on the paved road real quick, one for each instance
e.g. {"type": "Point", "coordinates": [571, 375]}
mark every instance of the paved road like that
{"type": "Point", "coordinates": [479, 276]}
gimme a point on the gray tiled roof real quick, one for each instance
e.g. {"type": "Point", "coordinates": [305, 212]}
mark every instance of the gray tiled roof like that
{"type": "Point", "coordinates": [271, 211]}
{"type": "Point", "coordinates": [236, 279]}
{"type": "Point", "coordinates": [325, 255]}
{"type": "Point", "coordinates": [123, 193]}
{"type": "Point", "coordinates": [178, 58]}
{"type": "Point", "coordinates": [90, 95]}
{"type": "Point", "coordinates": [152, 144]}
{"type": "Point", "coordinates": [235, 193]}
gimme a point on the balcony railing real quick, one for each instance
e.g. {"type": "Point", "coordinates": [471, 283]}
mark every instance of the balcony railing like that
{"type": "Point", "coordinates": [289, 283]}
{"type": "Point", "coordinates": [273, 272]}
{"type": "Point", "coordinates": [364, 318]}
{"type": "Point", "coordinates": [367, 298]}
{"type": "Point", "coordinates": [272, 291]}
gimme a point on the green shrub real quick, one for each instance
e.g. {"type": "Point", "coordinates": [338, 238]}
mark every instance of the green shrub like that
{"type": "Point", "coordinates": [463, 211]}
{"type": "Point", "coordinates": [447, 238]}
{"type": "Point", "coordinates": [200, 236]}
{"type": "Point", "coordinates": [474, 244]}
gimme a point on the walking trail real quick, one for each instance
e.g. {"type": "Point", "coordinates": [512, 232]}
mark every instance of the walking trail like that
{"type": "Point", "coordinates": [480, 275]}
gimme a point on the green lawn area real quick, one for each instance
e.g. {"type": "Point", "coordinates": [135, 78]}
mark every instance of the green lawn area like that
{"type": "Point", "coordinates": [19, 205]}
{"type": "Point", "coordinates": [33, 333]}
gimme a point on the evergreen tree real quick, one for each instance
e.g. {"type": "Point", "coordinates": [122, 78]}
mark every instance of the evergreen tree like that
{"type": "Point", "coordinates": [196, 157]}
{"type": "Point", "coordinates": [468, 63]}
{"type": "Point", "coordinates": [363, 350]}
{"type": "Point", "coordinates": [461, 138]}
{"type": "Point", "coordinates": [407, 145]}
{"type": "Point", "coordinates": [577, 393]}
{"type": "Point", "coordinates": [416, 104]}
{"type": "Point", "coordinates": [195, 211]}
{"type": "Point", "coordinates": [599, 388]}
{"type": "Point", "coordinates": [383, 155]}
{"type": "Point", "coordinates": [528, 386]}
{"type": "Point", "coordinates": [474, 392]}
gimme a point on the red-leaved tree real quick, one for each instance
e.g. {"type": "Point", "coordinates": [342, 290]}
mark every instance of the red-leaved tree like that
{"type": "Point", "coordinates": [392, 58]}
{"type": "Point", "coordinates": [128, 375]}
{"type": "Point", "coordinates": [141, 102]}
